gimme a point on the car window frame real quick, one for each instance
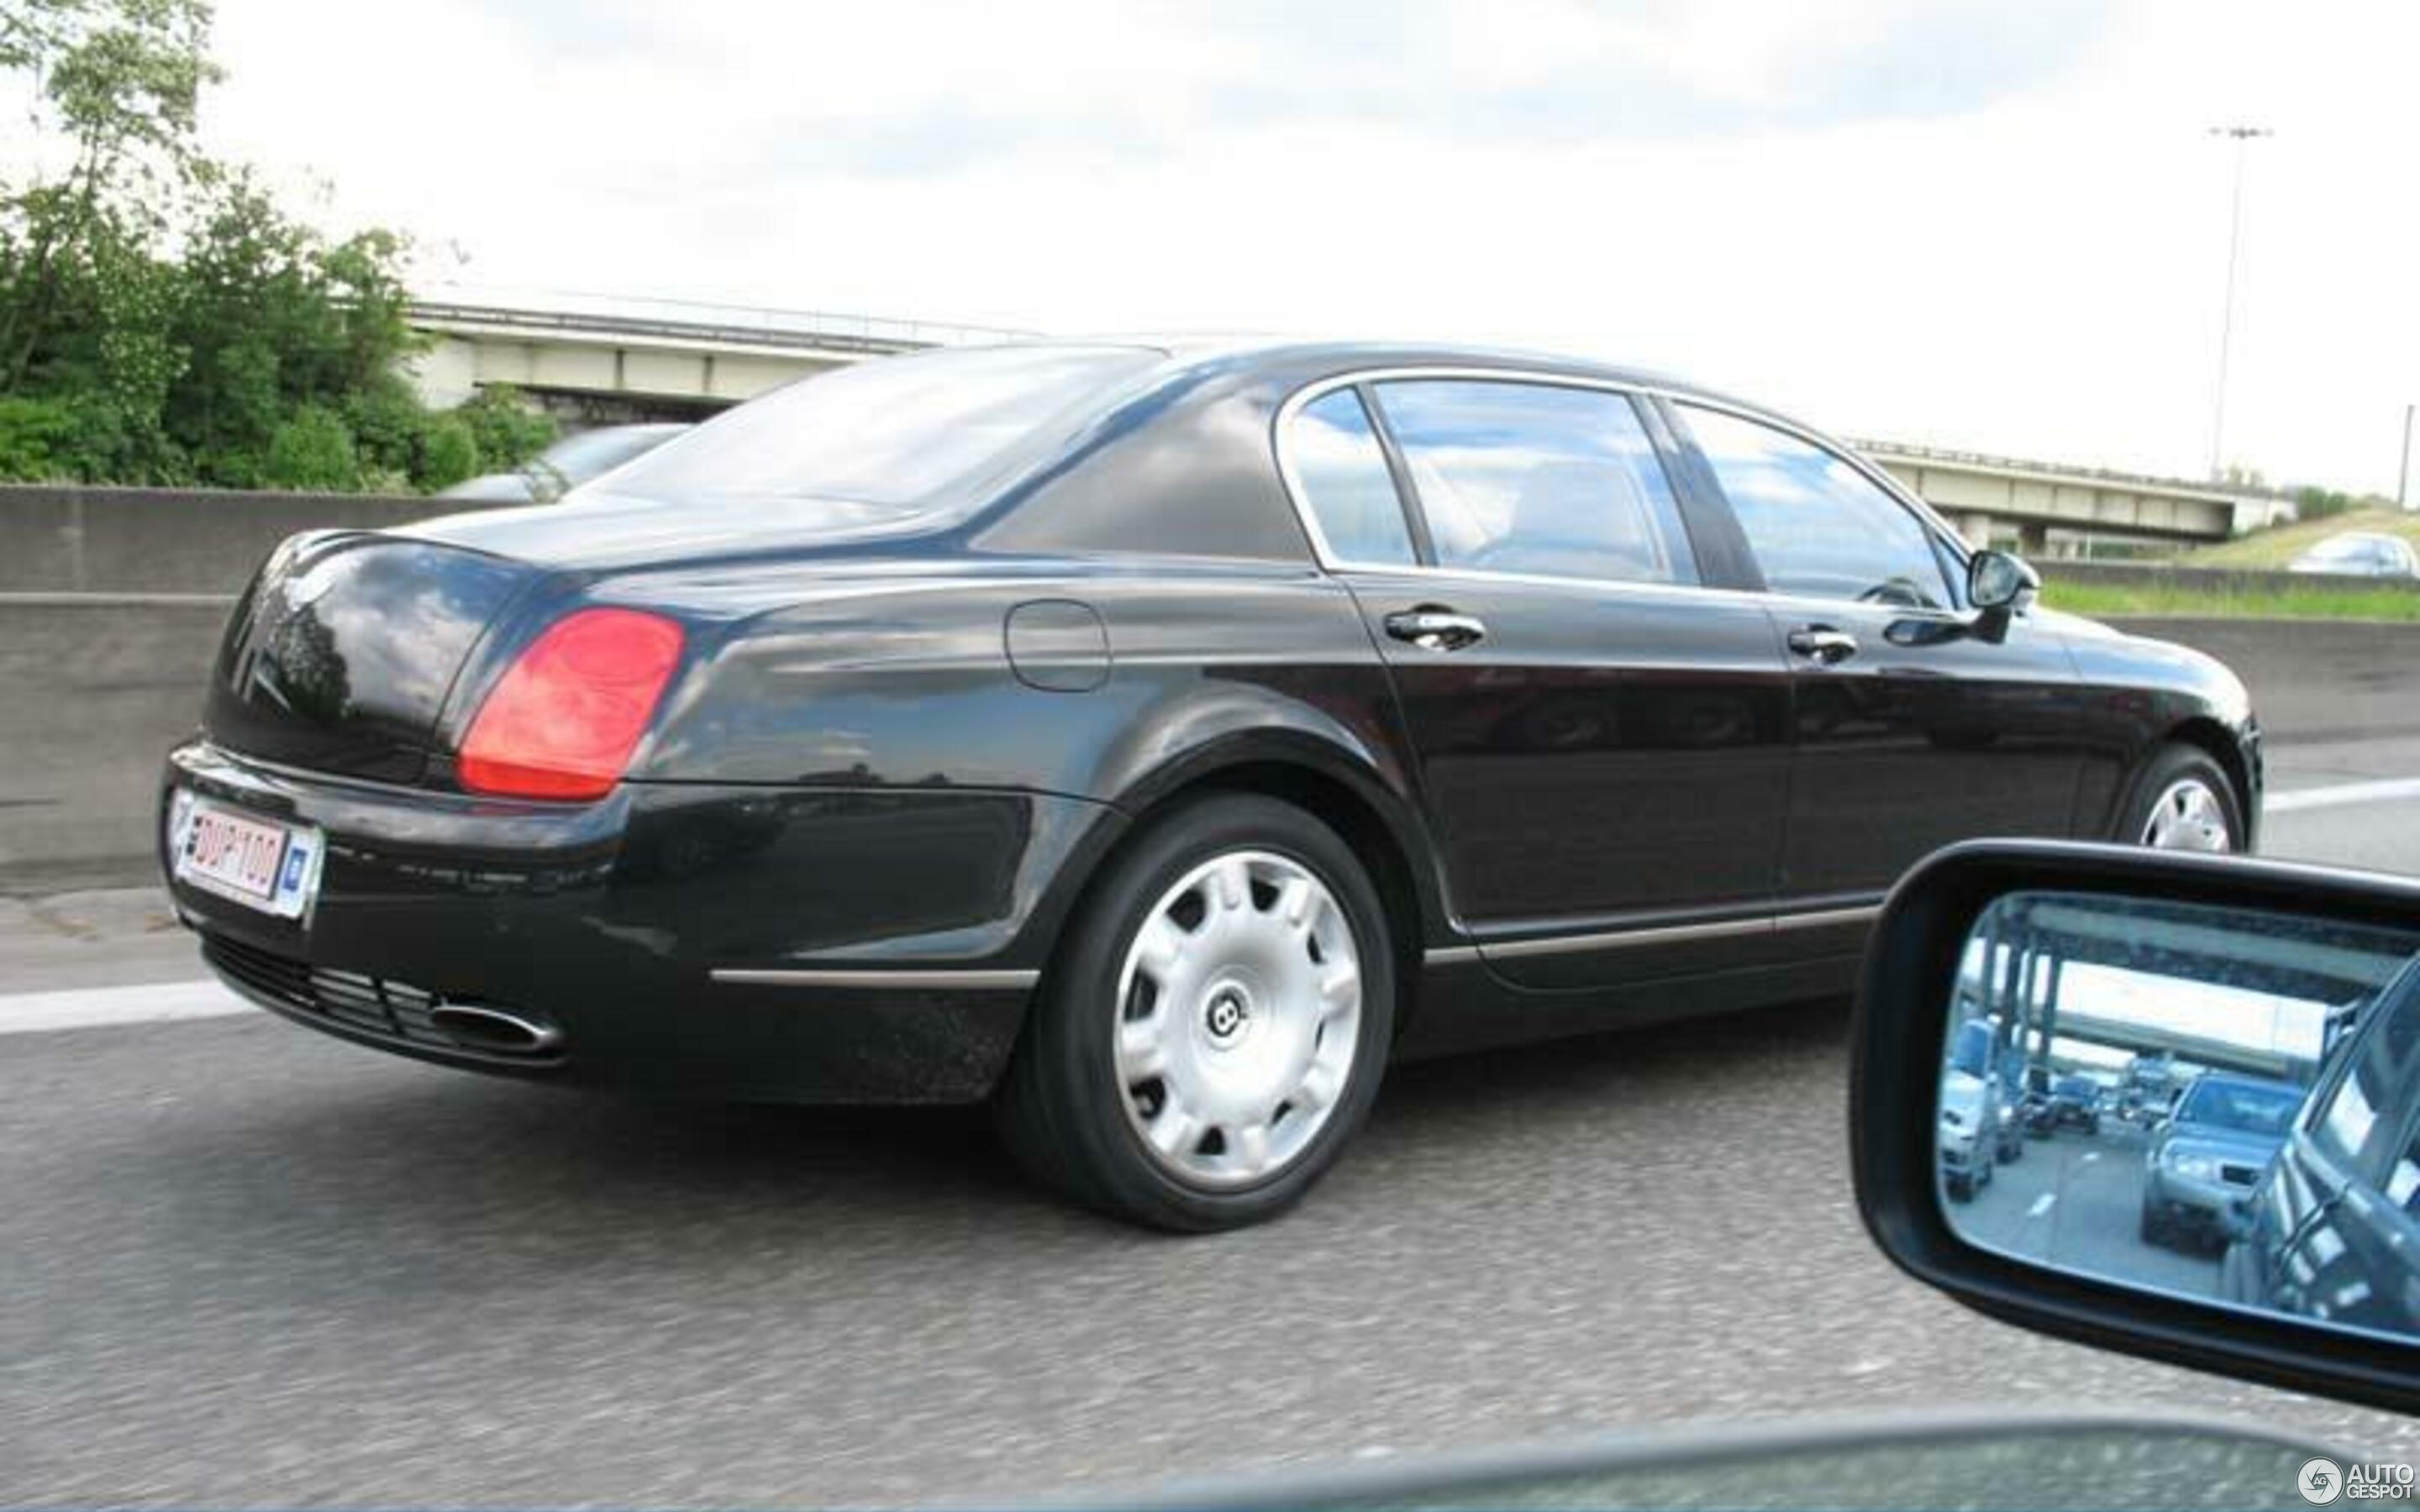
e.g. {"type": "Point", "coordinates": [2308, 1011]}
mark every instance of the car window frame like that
{"type": "Point", "coordinates": [1707, 523]}
{"type": "Point", "coordinates": [1416, 528]}
{"type": "Point", "coordinates": [1951, 555]}
{"type": "Point", "coordinates": [1684, 549]}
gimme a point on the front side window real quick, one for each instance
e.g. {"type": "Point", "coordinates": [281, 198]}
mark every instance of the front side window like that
{"type": "Point", "coordinates": [1342, 470]}
{"type": "Point", "coordinates": [1531, 478]}
{"type": "Point", "coordinates": [1818, 526]}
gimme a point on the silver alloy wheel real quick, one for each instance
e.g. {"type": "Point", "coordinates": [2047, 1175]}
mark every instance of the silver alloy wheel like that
{"type": "Point", "coordinates": [1239, 1009]}
{"type": "Point", "coordinates": [2188, 817]}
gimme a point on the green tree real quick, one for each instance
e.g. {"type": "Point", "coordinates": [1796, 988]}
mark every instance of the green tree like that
{"type": "Point", "coordinates": [162, 318]}
{"type": "Point", "coordinates": [312, 450]}
{"type": "Point", "coordinates": [118, 85]}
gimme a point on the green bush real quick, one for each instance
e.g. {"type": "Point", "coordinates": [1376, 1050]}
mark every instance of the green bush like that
{"type": "Point", "coordinates": [508, 430]}
{"type": "Point", "coordinates": [312, 451]}
{"type": "Point", "coordinates": [448, 454]}
{"type": "Point", "coordinates": [37, 439]}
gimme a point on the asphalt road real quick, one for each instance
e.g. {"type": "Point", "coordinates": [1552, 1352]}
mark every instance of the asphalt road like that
{"type": "Point", "coordinates": [2076, 1200]}
{"type": "Point", "coordinates": [240, 1264]}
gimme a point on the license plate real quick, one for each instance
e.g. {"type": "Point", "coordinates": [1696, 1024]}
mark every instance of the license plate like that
{"type": "Point", "coordinates": [258, 862]}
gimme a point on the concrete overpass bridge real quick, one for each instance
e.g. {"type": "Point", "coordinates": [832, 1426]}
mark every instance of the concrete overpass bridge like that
{"type": "Point", "coordinates": [599, 360]}
{"type": "Point", "coordinates": [602, 360]}
{"type": "Point", "coordinates": [2047, 509]}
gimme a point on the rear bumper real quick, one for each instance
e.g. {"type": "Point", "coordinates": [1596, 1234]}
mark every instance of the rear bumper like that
{"type": "Point", "coordinates": [806, 945]}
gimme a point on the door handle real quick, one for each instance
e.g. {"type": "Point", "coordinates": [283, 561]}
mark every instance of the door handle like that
{"type": "Point", "coordinates": [1820, 643]}
{"type": "Point", "coordinates": [1432, 628]}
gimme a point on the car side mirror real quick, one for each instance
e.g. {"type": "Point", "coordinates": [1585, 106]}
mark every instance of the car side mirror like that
{"type": "Point", "coordinates": [2268, 1226]}
{"type": "Point", "coordinates": [1999, 585]}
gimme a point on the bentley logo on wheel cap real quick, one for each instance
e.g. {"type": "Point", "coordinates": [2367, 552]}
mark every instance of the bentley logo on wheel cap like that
{"type": "Point", "coordinates": [1228, 1014]}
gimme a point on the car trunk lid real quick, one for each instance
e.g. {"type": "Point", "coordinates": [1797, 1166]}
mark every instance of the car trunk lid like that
{"type": "Point", "coordinates": [341, 655]}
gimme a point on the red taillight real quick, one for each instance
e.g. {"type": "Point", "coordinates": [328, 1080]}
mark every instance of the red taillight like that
{"type": "Point", "coordinates": [565, 719]}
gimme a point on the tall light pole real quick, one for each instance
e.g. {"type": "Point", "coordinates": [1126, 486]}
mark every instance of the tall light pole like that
{"type": "Point", "coordinates": [2403, 468]}
{"type": "Point", "coordinates": [2243, 136]}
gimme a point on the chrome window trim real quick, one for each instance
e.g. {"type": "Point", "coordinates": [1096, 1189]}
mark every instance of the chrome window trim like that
{"type": "Point", "coordinates": [1329, 560]}
{"type": "Point", "coordinates": [1772, 923]}
{"type": "Point", "coordinates": [976, 980]}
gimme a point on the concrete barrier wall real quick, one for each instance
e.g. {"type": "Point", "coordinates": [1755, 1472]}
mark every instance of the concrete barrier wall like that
{"type": "Point", "coordinates": [2312, 679]}
{"type": "Point", "coordinates": [95, 688]}
{"type": "Point", "coordinates": [2209, 579]}
{"type": "Point", "coordinates": [170, 540]}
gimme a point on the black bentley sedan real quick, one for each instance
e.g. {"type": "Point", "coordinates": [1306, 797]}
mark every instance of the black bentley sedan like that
{"type": "Point", "coordinates": [1154, 740]}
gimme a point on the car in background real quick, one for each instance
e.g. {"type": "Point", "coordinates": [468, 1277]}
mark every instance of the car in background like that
{"type": "Point", "coordinates": [565, 465]}
{"type": "Point", "coordinates": [2361, 554]}
{"type": "Point", "coordinates": [2073, 1101]}
{"type": "Point", "coordinates": [1981, 1123]}
{"type": "Point", "coordinates": [2211, 1154]}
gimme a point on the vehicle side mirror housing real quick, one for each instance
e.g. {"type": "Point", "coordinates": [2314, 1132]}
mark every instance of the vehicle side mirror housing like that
{"type": "Point", "coordinates": [2000, 584]}
{"type": "Point", "coordinates": [2261, 1224]}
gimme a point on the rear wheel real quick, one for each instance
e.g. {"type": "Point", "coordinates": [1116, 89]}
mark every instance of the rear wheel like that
{"type": "Point", "coordinates": [2184, 802]}
{"type": "Point", "coordinates": [1215, 1027]}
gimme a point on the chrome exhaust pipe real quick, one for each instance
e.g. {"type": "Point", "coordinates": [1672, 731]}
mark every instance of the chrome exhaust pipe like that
{"type": "Point", "coordinates": [476, 1026]}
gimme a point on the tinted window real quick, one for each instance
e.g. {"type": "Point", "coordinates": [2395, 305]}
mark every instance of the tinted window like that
{"type": "Point", "coordinates": [2356, 1122]}
{"type": "Point", "coordinates": [1818, 526]}
{"type": "Point", "coordinates": [898, 431]}
{"type": "Point", "coordinates": [1522, 477]}
{"type": "Point", "coordinates": [1342, 470]}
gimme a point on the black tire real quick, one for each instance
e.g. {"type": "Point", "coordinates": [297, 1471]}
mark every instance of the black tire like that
{"type": "Point", "coordinates": [2155, 1228]}
{"type": "Point", "coordinates": [2174, 762]}
{"type": "Point", "coordinates": [1061, 1107]}
{"type": "Point", "coordinates": [1961, 1188]}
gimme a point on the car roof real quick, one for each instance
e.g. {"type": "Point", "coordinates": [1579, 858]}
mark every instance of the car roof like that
{"type": "Point", "coordinates": [2235, 1078]}
{"type": "Point", "coordinates": [1226, 349]}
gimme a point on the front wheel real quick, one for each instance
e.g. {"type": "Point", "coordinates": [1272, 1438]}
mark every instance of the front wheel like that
{"type": "Point", "coordinates": [1213, 1030]}
{"type": "Point", "coordinates": [2184, 802]}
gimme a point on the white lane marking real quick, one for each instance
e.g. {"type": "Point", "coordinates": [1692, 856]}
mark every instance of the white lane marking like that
{"type": "Point", "coordinates": [2384, 790]}
{"type": "Point", "coordinates": [98, 1006]}
{"type": "Point", "coordinates": [2041, 1205]}
{"type": "Point", "coordinates": [2092, 1154]}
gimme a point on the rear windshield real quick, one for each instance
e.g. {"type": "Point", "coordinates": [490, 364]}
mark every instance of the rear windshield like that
{"type": "Point", "coordinates": [897, 431]}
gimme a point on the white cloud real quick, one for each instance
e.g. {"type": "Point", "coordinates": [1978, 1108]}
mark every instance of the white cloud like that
{"type": "Point", "coordinates": [1995, 227]}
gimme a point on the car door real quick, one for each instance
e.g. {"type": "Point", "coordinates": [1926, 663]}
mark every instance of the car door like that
{"type": "Point", "coordinates": [1910, 728]}
{"type": "Point", "coordinates": [1601, 735]}
{"type": "Point", "coordinates": [2334, 1232]}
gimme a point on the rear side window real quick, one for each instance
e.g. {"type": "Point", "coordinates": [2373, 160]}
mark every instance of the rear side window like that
{"type": "Point", "coordinates": [890, 437]}
{"type": "Point", "coordinates": [1818, 526]}
{"type": "Point", "coordinates": [1343, 471]}
{"type": "Point", "coordinates": [1532, 478]}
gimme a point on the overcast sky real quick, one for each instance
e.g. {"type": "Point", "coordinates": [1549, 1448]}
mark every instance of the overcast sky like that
{"type": "Point", "coordinates": [1998, 228]}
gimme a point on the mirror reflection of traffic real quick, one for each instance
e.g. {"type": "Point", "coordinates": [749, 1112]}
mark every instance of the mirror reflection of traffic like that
{"type": "Point", "coordinates": [2199, 1101]}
